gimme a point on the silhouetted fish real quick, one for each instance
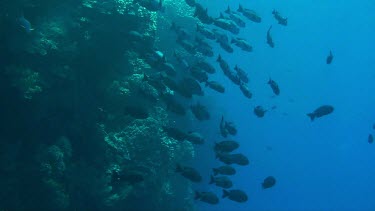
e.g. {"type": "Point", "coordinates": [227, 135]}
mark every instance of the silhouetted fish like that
{"type": "Point", "coordinates": [274, 86]}
{"type": "Point", "coordinates": [221, 181]}
{"type": "Point", "coordinates": [235, 195]}
{"type": "Point", "coordinates": [370, 139]}
{"type": "Point", "coordinates": [207, 197]}
{"type": "Point", "coordinates": [269, 38]}
{"type": "Point", "coordinates": [189, 173]}
{"type": "Point", "coordinates": [268, 182]}
{"type": "Point", "coordinates": [224, 170]}
{"type": "Point", "coordinates": [321, 111]}
{"type": "Point", "coordinates": [329, 58]}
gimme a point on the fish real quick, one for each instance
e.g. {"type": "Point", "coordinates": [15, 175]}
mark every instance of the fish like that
{"type": "Point", "coordinates": [274, 86]}
{"type": "Point", "coordinates": [235, 195]}
{"type": "Point", "coordinates": [226, 146]}
{"type": "Point", "coordinates": [221, 181]}
{"type": "Point", "coordinates": [194, 137]}
{"type": "Point", "coordinates": [191, 3]}
{"type": "Point", "coordinates": [220, 36]}
{"type": "Point", "coordinates": [198, 74]}
{"type": "Point", "coordinates": [131, 177]}
{"type": "Point", "coordinates": [235, 17]}
{"type": "Point", "coordinates": [151, 5]}
{"type": "Point", "coordinates": [268, 182]}
{"type": "Point", "coordinates": [168, 68]}
{"type": "Point", "coordinates": [205, 66]}
{"type": "Point", "coordinates": [226, 24]}
{"type": "Point", "coordinates": [206, 51]}
{"type": "Point", "coordinates": [136, 111]}
{"type": "Point", "coordinates": [370, 139]}
{"type": "Point", "coordinates": [181, 60]}
{"type": "Point", "coordinates": [200, 112]}
{"type": "Point", "coordinates": [175, 133]}
{"type": "Point", "coordinates": [226, 46]}
{"type": "Point", "coordinates": [223, 130]}
{"type": "Point", "coordinates": [187, 45]}
{"type": "Point", "coordinates": [206, 32]}
{"type": "Point", "coordinates": [229, 159]}
{"type": "Point", "coordinates": [189, 173]}
{"type": "Point", "coordinates": [224, 170]}
{"type": "Point", "coordinates": [249, 14]}
{"type": "Point", "coordinates": [25, 24]}
{"type": "Point", "coordinates": [321, 111]}
{"type": "Point", "coordinates": [245, 90]}
{"type": "Point", "coordinates": [329, 58]}
{"type": "Point", "coordinates": [281, 20]}
{"type": "Point", "coordinates": [242, 74]}
{"type": "Point", "coordinates": [202, 14]}
{"type": "Point", "coordinates": [269, 38]}
{"type": "Point", "coordinates": [191, 85]}
{"type": "Point", "coordinates": [172, 104]}
{"type": "Point", "coordinates": [231, 128]}
{"type": "Point", "coordinates": [259, 111]}
{"type": "Point", "coordinates": [215, 86]}
{"type": "Point", "coordinates": [182, 33]}
{"type": "Point", "coordinates": [207, 197]}
{"type": "Point", "coordinates": [243, 44]}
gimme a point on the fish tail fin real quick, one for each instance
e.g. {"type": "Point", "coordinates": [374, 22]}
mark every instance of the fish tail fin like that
{"type": "Point", "coordinates": [197, 195]}
{"type": "Point", "coordinates": [145, 77]}
{"type": "Point", "coordinates": [312, 116]}
{"type": "Point", "coordinates": [216, 171]}
{"type": "Point", "coordinates": [273, 12]}
{"type": "Point", "coordinates": [225, 193]}
{"type": "Point", "coordinates": [240, 8]}
{"type": "Point", "coordinates": [212, 180]}
{"type": "Point", "coordinates": [218, 58]}
{"type": "Point", "coordinates": [228, 9]}
{"type": "Point", "coordinates": [221, 15]}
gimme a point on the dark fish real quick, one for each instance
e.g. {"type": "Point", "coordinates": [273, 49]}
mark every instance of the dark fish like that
{"type": "Point", "coordinates": [235, 17]}
{"type": "Point", "coordinates": [243, 44]}
{"type": "Point", "coordinates": [268, 182]}
{"type": "Point", "coordinates": [231, 128]}
{"type": "Point", "coordinates": [224, 170]}
{"type": "Point", "coordinates": [370, 139]}
{"type": "Point", "coordinates": [192, 86]}
{"type": "Point", "coordinates": [201, 41]}
{"type": "Point", "coordinates": [206, 66]}
{"type": "Point", "coordinates": [181, 60]}
{"type": "Point", "coordinates": [220, 36]}
{"type": "Point", "coordinates": [229, 159]}
{"type": "Point", "coordinates": [202, 14]}
{"type": "Point", "coordinates": [223, 130]}
{"type": "Point", "coordinates": [191, 3]}
{"type": "Point", "coordinates": [200, 112]}
{"type": "Point", "coordinates": [189, 173]}
{"type": "Point", "coordinates": [155, 58]}
{"type": "Point", "coordinates": [187, 45]}
{"type": "Point", "coordinates": [221, 181]}
{"type": "Point", "coordinates": [281, 20]}
{"type": "Point", "coordinates": [151, 5]}
{"type": "Point", "coordinates": [195, 138]}
{"type": "Point", "coordinates": [209, 34]}
{"type": "Point", "coordinates": [130, 177]}
{"type": "Point", "coordinates": [172, 104]}
{"type": "Point", "coordinates": [169, 82]}
{"type": "Point", "coordinates": [154, 82]}
{"type": "Point", "coordinates": [269, 38]}
{"type": "Point", "coordinates": [242, 74]}
{"type": "Point", "coordinates": [168, 68]}
{"type": "Point", "coordinates": [180, 32]}
{"type": "Point", "coordinates": [199, 74]}
{"type": "Point", "coordinates": [215, 86]}
{"type": "Point", "coordinates": [250, 14]}
{"type": "Point", "coordinates": [226, 46]}
{"type": "Point", "coordinates": [207, 197]}
{"type": "Point", "coordinates": [235, 195]}
{"type": "Point", "coordinates": [226, 146]}
{"type": "Point", "coordinates": [245, 91]}
{"type": "Point", "coordinates": [206, 51]}
{"type": "Point", "coordinates": [274, 86]}
{"type": "Point", "coordinates": [259, 111]}
{"type": "Point", "coordinates": [321, 111]}
{"type": "Point", "coordinates": [137, 112]}
{"type": "Point", "coordinates": [226, 24]}
{"type": "Point", "coordinates": [329, 58]}
{"type": "Point", "coordinates": [175, 133]}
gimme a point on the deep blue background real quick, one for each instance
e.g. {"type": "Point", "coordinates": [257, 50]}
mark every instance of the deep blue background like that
{"type": "Point", "coordinates": [322, 165]}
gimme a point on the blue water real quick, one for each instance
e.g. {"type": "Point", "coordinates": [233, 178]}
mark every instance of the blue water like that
{"type": "Point", "coordinates": [322, 165]}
